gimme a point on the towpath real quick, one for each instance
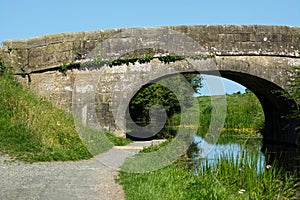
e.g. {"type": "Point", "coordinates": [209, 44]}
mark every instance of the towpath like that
{"type": "Point", "coordinates": [86, 179]}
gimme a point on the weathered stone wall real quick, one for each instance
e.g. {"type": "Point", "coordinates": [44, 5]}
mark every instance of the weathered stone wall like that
{"type": "Point", "coordinates": [104, 90]}
{"type": "Point", "coordinates": [53, 50]}
{"type": "Point", "coordinates": [58, 86]}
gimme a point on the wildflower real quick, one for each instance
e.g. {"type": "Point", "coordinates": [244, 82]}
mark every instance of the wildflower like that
{"type": "Point", "coordinates": [241, 191]}
{"type": "Point", "coordinates": [268, 167]}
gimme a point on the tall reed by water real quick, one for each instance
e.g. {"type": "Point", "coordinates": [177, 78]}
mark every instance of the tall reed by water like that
{"type": "Point", "coordinates": [231, 177]}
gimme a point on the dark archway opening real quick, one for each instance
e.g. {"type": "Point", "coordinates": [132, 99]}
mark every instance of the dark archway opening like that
{"type": "Point", "coordinates": [155, 103]}
{"type": "Point", "coordinates": [145, 124]}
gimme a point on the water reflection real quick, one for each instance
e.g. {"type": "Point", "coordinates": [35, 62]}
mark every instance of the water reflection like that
{"type": "Point", "coordinates": [231, 149]}
{"type": "Point", "coordinates": [286, 157]}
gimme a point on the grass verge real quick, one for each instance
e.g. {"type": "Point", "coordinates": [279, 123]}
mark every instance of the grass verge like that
{"type": "Point", "coordinates": [32, 129]}
{"type": "Point", "coordinates": [229, 179]}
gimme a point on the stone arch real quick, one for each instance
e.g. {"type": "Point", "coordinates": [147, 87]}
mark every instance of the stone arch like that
{"type": "Point", "coordinates": [171, 75]}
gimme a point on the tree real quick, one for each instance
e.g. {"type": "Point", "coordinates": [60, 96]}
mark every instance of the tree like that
{"type": "Point", "coordinates": [158, 94]}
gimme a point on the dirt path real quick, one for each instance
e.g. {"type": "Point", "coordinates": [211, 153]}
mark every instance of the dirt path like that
{"type": "Point", "coordinates": [88, 179]}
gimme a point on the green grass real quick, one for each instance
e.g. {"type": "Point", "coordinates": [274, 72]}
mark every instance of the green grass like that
{"type": "Point", "coordinates": [32, 129]}
{"type": "Point", "coordinates": [246, 176]}
{"type": "Point", "coordinates": [118, 141]}
{"type": "Point", "coordinates": [153, 148]}
{"type": "Point", "coordinates": [168, 183]}
{"type": "Point", "coordinates": [244, 114]}
{"type": "Point", "coordinates": [233, 178]}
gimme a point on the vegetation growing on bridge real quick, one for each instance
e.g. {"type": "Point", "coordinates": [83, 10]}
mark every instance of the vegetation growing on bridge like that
{"type": "Point", "coordinates": [131, 58]}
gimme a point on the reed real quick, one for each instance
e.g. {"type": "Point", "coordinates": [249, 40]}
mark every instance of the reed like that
{"type": "Point", "coordinates": [232, 177]}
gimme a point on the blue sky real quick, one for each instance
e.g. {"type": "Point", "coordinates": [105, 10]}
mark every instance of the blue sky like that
{"type": "Point", "coordinates": [24, 19]}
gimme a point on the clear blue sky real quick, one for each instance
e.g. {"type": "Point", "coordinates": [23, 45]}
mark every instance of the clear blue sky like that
{"type": "Point", "coordinates": [30, 18]}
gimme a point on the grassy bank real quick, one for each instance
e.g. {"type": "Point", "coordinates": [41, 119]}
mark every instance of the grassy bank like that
{"type": "Point", "coordinates": [241, 177]}
{"type": "Point", "coordinates": [32, 129]}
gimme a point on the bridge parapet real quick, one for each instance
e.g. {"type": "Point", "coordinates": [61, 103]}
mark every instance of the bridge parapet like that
{"type": "Point", "coordinates": [53, 50]}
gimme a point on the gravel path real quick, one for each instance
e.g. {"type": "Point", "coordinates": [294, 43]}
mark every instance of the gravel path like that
{"type": "Point", "coordinates": [87, 179]}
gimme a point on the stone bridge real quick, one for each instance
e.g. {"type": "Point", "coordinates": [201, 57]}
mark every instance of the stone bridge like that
{"type": "Point", "coordinates": [258, 57]}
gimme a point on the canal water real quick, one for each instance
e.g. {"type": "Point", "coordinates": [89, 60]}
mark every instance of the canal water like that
{"type": "Point", "coordinates": [285, 156]}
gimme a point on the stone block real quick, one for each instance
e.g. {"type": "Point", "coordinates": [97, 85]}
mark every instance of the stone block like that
{"type": "Point", "coordinates": [245, 37]}
{"type": "Point", "coordinates": [65, 46]}
{"type": "Point", "coordinates": [295, 39]}
{"type": "Point", "coordinates": [105, 34]}
{"type": "Point", "coordinates": [15, 44]}
{"type": "Point", "coordinates": [104, 97]}
{"type": "Point", "coordinates": [92, 35]}
{"type": "Point", "coordinates": [37, 42]}
{"type": "Point", "coordinates": [55, 38]}
{"type": "Point", "coordinates": [247, 47]}
{"type": "Point", "coordinates": [35, 56]}
{"type": "Point", "coordinates": [60, 58]}
{"type": "Point", "coordinates": [22, 57]}
{"type": "Point", "coordinates": [77, 46]}
{"type": "Point", "coordinates": [72, 36]}
{"type": "Point", "coordinates": [89, 45]}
